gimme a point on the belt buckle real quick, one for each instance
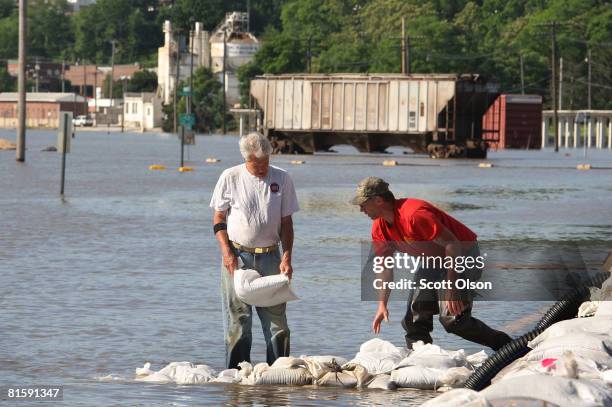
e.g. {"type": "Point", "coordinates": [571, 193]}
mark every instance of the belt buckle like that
{"type": "Point", "coordinates": [259, 250]}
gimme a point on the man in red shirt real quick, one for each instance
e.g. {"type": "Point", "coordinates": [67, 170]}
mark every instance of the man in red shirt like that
{"type": "Point", "coordinates": [418, 228]}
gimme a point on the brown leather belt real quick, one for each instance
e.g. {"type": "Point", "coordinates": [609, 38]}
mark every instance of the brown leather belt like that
{"type": "Point", "coordinates": [255, 250]}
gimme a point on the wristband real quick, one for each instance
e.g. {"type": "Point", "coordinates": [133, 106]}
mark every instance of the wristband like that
{"type": "Point", "coordinates": [220, 226]}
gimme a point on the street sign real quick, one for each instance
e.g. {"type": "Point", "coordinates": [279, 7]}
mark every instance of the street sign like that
{"type": "Point", "coordinates": [64, 132]}
{"type": "Point", "coordinates": [189, 138]}
{"type": "Point", "coordinates": [187, 120]}
{"type": "Point", "coordinates": [186, 91]}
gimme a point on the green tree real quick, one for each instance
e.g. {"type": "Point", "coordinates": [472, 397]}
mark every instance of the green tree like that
{"type": "Point", "coordinates": [9, 36]}
{"type": "Point", "coordinates": [143, 81]}
{"type": "Point", "coordinates": [7, 82]}
{"type": "Point", "coordinates": [207, 102]}
{"type": "Point", "coordinates": [6, 8]}
{"type": "Point", "coordinates": [49, 28]}
{"type": "Point", "coordinates": [135, 31]}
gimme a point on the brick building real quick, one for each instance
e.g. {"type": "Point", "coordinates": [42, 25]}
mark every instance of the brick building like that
{"type": "Point", "coordinates": [42, 109]}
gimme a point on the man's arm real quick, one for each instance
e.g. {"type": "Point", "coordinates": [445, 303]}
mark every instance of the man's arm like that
{"type": "Point", "coordinates": [382, 313]}
{"type": "Point", "coordinates": [229, 258]}
{"type": "Point", "coordinates": [286, 235]}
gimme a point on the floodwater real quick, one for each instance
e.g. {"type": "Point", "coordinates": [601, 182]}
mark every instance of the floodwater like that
{"type": "Point", "coordinates": [125, 269]}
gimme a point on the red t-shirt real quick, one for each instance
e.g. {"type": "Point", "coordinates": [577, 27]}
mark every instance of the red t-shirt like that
{"type": "Point", "coordinates": [416, 221]}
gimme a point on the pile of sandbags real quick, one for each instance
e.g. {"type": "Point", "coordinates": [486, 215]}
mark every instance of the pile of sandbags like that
{"type": "Point", "coordinates": [7, 145]}
{"type": "Point", "coordinates": [379, 356]}
{"type": "Point", "coordinates": [600, 303]}
{"type": "Point", "coordinates": [176, 372]}
{"type": "Point", "coordinates": [430, 367]}
{"type": "Point", "coordinates": [569, 364]}
{"type": "Point", "coordinates": [378, 365]}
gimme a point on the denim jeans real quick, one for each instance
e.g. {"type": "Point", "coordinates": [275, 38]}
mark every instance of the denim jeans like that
{"type": "Point", "coordinates": [238, 316]}
{"type": "Point", "coordinates": [423, 304]}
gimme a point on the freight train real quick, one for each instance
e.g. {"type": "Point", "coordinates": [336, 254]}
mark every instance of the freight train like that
{"type": "Point", "coordinates": [437, 114]}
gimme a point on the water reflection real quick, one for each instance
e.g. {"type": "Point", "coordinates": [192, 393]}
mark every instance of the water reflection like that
{"type": "Point", "coordinates": [125, 269]}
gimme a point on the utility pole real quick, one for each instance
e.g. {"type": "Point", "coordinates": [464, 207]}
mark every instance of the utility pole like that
{"type": "Point", "coordinates": [561, 83]}
{"type": "Point", "coordinates": [224, 84]}
{"type": "Point", "coordinates": [37, 73]}
{"type": "Point", "coordinates": [176, 79]}
{"type": "Point", "coordinates": [248, 15]}
{"type": "Point", "coordinates": [21, 130]}
{"type": "Point", "coordinates": [85, 87]}
{"type": "Point", "coordinates": [309, 55]}
{"type": "Point", "coordinates": [589, 80]}
{"type": "Point", "coordinates": [554, 25]}
{"type": "Point", "coordinates": [124, 106]}
{"type": "Point", "coordinates": [408, 63]}
{"type": "Point", "coordinates": [190, 96]}
{"type": "Point", "coordinates": [112, 77]}
{"type": "Point", "coordinates": [63, 63]}
{"type": "Point", "coordinates": [522, 74]}
{"type": "Point", "coordinates": [95, 92]}
{"type": "Point", "coordinates": [404, 64]}
{"type": "Point", "coordinates": [553, 38]}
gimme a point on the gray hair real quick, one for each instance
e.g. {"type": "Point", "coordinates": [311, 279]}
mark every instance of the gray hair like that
{"type": "Point", "coordinates": [255, 144]}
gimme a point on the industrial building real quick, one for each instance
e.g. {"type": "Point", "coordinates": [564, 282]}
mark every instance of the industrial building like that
{"type": "Point", "coordinates": [142, 110]}
{"type": "Point", "coordinates": [225, 49]}
{"type": "Point", "coordinates": [42, 109]}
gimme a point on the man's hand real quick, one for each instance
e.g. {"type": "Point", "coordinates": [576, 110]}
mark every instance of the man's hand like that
{"type": "Point", "coordinates": [285, 267]}
{"type": "Point", "coordinates": [453, 305]}
{"type": "Point", "coordinates": [382, 314]}
{"type": "Point", "coordinates": [230, 262]}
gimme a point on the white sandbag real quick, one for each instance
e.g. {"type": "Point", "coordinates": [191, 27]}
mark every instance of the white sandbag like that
{"type": "Point", "coordinates": [455, 376]}
{"type": "Point", "coordinates": [177, 372]}
{"type": "Point", "coordinates": [458, 398]}
{"type": "Point", "coordinates": [250, 374]}
{"type": "Point", "coordinates": [361, 373]}
{"type": "Point", "coordinates": [382, 382]}
{"type": "Point", "coordinates": [259, 291]}
{"type": "Point", "coordinates": [295, 377]}
{"type": "Point", "coordinates": [417, 377]}
{"type": "Point", "coordinates": [287, 362]}
{"type": "Point", "coordinates": [556, 390]}
{"type": "Point", "coordinates": [595, 347]}
{"type": "Point", "coordinates": [144, 371]}
{"type": "Point", "coordinates": [477, 359]}
{"type": "Point", "coordinates": [588, 309]}
{"type": "Point", "coordinates": [591, 325]}
{"type": "Point", "coordinates": [604, 309]}
{"type": "Point", "coordinates": [228, 376]}
{"type": "Point", "coordinates": [429, 355]}
{"type": "Point", "coordinates": [607, 376]}
{"type": "Point", "coordinates": [318, 366]}
{"type": "Point", "coordinates": [379, 356]}
{"type": "Point", "coordinates": [245, 369]}
{"type": "Point", "coordinates": [569, 366]}
{"type": "Point", "coordinates": [154, 377]}
{"type": "Point", "coordinates": [337, 379]}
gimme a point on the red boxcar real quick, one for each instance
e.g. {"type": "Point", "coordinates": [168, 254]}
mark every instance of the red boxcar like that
{"type": "Point", "coordinates": [514, 121]}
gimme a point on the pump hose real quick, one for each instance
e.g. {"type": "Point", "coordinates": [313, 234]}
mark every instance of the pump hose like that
{"type": "Point", "coordinates": [564, 309]}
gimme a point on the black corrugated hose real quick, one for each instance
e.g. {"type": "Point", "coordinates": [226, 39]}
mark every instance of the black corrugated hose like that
{"type": "Point", "coordinates": [564, 309]}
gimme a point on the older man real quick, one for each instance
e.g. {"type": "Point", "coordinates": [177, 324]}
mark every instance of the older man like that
{"type": "Point", "coordinates": [414, 226]}
{"type": "Point", "coordinates": [253, 204]}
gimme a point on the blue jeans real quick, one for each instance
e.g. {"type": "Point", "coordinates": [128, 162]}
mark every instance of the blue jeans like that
{"type": "Point", "coordinates": [238, 316]}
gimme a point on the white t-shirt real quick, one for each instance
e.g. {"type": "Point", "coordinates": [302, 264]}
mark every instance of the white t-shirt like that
{"type": "Point", "coordinates": [255, 205]}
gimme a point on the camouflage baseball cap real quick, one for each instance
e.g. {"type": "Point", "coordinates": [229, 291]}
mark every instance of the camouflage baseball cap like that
{"type": "Point", "coordinates": [369, 187]}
